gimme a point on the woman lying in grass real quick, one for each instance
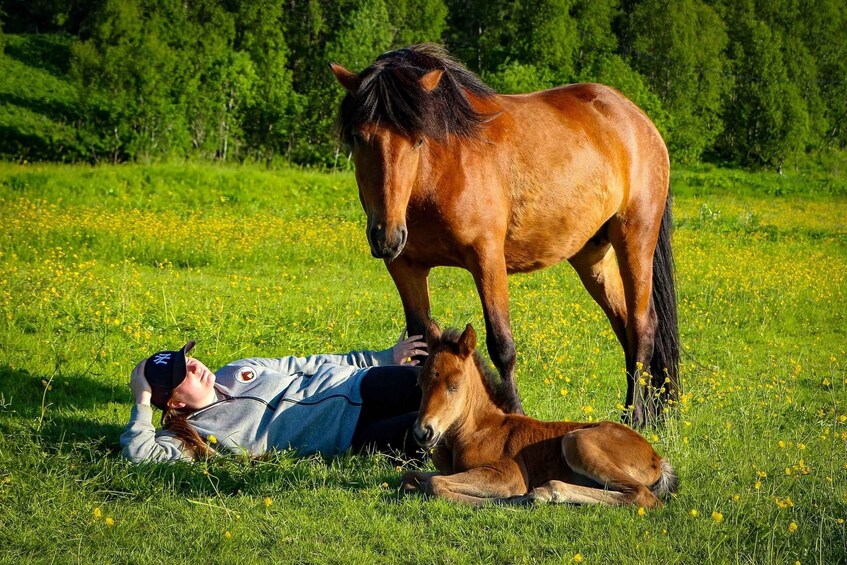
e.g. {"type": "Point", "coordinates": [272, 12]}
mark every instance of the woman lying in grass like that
{"type": "Point", "coordinates": [319, 404]}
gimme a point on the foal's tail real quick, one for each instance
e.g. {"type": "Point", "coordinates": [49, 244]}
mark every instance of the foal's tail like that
{"type": "Point", "coordinates": [664, 365]}
{"type": "Point", "coordinates": [667, 484]}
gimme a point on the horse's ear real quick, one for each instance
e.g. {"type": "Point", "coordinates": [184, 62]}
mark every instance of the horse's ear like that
{"type": "Point", "coordinates": [433, 335]}
{"type": "Point", "coordinates": [348, 79]}
{"type": "Point", "coordinates": [467, 342]}
{"type": "Point", "coordinates": [431, 79]}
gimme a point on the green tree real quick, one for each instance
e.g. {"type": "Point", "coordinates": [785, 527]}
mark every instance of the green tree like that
{"type": "Point", "coordinates": [594, 22]}
{"type": "Point", "coordinates": [269, 118]}
{"type": "Point", "coordinates": [547, 37]}
{"type": "Point", "coordinates": [2, 36]}
{"type": "Point", "coordinates": [417, 21]}
{"type": "Point", "coordinates": [766, 116]}
{"type": "Point", "coordinates": [679, 47]}
{"type": "Point", "coordinates": [823, 26]}
{"type": "Point", "coordinates": [128, 74]}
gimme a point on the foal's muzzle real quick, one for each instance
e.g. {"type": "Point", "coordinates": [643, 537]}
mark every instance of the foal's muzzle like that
{"type": "Point", "coordinates": [386, 244]}
{"type": "Point", "coordinates": [425, 436]}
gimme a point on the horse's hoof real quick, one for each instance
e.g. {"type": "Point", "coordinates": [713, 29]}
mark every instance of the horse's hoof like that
{"type": "Point", "coordinates": [410, 483]}
{"type": "Point", "coordinates": [540, 495]}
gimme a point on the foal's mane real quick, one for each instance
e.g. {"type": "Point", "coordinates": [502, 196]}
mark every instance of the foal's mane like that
{"type": "Point", "coordinates": [497, 390]}
{"type": "Point", "coordinates": [390, 95]}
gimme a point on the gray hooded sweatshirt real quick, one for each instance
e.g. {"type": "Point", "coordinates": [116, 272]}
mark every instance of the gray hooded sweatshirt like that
{"type": "Point", "coordinates": [310, 404]}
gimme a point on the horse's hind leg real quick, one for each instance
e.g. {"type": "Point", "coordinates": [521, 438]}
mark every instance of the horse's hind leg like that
{"type": "Point", "coordinates": [616, 457]}
{"type": "Point", "coordinates": [559, 492]}
{"type": "Point", "coordinates": [634, 240]}
{"type": "Point", "coordinates": [598, 269]}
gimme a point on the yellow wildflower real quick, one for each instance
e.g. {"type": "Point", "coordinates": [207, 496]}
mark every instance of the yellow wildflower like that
{"type": "Point", "coordinates": [268, 501]}
{"type": "Point", "coordinates": [97, 513]}
{"type": "Point", "coordinates": [227, 535]}
{"type": "Point", "coordinates": [694, 512]}
{"type": "Point", "coordinates": [577, 558]}
{"type": "Point", "coordinates": [212, 438]}
{"type": "Point", "coordinates": [717, 517]}
{"type": "Point", "coordinates": [109, 522]}
{"type": "Point", "coordinates": [641, 511]}
{"type": "Point", "coordinates": [792, 527]}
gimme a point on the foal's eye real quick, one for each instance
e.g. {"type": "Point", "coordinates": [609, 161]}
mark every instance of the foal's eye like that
{"type": "Point", "coordinates": [419, 142]}
{"type": "Point", "coordinates": [452, 388]}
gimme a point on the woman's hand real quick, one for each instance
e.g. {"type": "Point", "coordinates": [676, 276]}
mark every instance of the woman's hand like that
{"type": "Point", "coordinates": [141, 391]}
{"type": "Point", "coordinates": [407, 347]}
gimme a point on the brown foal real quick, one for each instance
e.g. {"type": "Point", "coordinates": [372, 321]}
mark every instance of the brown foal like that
{"type": "Point", "coordinates": [485, 455]}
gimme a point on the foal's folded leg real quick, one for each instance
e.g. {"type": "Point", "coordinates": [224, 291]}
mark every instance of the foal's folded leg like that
{"type": "Point", "coordinates": [559, 492]}
{"type": "Point", "coordinates": [483, 485]}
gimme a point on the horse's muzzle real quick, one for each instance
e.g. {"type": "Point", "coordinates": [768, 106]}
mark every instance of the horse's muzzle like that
{"type": "Point", "coordinates": [426, 436]}
{"type": "Point", "coordinates": [387, 245]}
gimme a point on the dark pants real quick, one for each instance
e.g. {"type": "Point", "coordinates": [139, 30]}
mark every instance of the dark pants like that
{"type": "Point", "coordinates": [390, 402]}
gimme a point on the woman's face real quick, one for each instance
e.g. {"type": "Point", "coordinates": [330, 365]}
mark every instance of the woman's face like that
{"type": "Point", "coordinates": [197, 390]}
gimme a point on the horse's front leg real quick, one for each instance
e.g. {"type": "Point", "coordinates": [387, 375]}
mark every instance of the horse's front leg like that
{"type": "Point", "coordinates": [482, 485]}
{"type": "Point", "coordinates": [489, 272]}
{"type": "Point", "coordinates": [412, 282]}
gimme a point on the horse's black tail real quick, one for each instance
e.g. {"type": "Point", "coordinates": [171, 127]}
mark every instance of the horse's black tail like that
{"type": "Point", "coordinates": [664, 366]}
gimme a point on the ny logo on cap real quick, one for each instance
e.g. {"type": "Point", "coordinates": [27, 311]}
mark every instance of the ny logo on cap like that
{"type": "Point", "coordinates": [162, 358]}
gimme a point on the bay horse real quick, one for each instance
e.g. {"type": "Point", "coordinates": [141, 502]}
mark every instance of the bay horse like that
{"type": "Point", "coordinates": [451, 173]}
{"type": "Point", "coordinates": [485, 455]}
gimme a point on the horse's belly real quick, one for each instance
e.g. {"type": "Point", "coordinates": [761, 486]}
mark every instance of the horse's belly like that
{"type": "Point", "coordinates": [545, 244]}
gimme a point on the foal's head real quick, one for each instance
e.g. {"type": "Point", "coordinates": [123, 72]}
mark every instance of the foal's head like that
{"type": "Point", "coordinates": [452, 382]}
{"type": "Point", "coordinates": [404, 99]}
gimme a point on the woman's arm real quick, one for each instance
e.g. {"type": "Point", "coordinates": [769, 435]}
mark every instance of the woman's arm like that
{"type": "Point", "coordinates": [399, 354]}
{"type": "Point", "coordinates": [140, 442]}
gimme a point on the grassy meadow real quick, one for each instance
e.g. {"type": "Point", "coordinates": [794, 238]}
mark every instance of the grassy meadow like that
{"type": "Point", "coordinates": [102, 266]}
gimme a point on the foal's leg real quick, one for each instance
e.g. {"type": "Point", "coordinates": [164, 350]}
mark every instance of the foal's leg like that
{"type": "Point", "coordinates": [412, 283]}
{"type": "Point", "coordinates": [559, 492]}
{"type": "Point", "coordinates": [489, 273]}
{"type": "Point", "coordinates": [478, 486]}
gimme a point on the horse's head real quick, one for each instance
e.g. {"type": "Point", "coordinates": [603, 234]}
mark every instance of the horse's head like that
{"type": "Point", "coordinates": [449, 381]}
{"type": "Point", "coordinates": [387, 160]}
{"type": "Point", "coordinates": [392, 109]}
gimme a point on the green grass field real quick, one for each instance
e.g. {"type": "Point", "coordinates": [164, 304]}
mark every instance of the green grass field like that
{"type": "Point", "coordinates": [101, 266]}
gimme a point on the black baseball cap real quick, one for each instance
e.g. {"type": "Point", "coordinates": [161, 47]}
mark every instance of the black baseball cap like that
{"type": "Point", "coordinates": [164, 372]}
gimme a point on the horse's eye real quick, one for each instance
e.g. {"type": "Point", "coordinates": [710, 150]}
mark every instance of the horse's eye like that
{"type": "Point", "coordinates": [452, 388]}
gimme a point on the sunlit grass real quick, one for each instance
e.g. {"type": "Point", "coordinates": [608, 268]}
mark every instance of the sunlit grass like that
{"type": "Point", "coordinates": [100, 266]}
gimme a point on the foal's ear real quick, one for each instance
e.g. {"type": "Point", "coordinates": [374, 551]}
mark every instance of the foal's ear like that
{"type": "Point", "coordinates": [433, 335]}
{"type": "Point", "coordinates": [431, 79]}
{"type": "Point", "coordinates": [467, 342]}
{"type": "Point", "coordinates": [348, 79]}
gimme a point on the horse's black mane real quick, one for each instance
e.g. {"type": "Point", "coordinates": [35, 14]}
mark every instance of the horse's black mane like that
{"type": "Point", "coordinates": [391, 95]}
{"type": "Point", "coordinates": [497, 390]}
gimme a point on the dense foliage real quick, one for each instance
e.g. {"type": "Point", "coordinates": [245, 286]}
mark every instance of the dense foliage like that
{"type": "Point", "coordinates": [743, 81]}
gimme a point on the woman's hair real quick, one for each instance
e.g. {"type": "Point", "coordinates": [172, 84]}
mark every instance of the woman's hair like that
{"type": "Point", "coordinates": [175, 420]}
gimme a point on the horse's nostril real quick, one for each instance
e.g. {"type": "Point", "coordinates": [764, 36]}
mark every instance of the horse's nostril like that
{"type": "Point", "coordinates": [423, 434]}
